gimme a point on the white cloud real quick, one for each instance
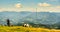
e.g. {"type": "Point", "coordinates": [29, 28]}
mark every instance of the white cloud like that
{"type": "Point", "coordinates": [18, 5]}
{"type": "Point", "coordinates": [9, 9]}
{"type": "Point", "coordinates": [44, 4]}
{"type": "Point", "coordinates": [30, 9]}
{"type": "Point", "coordinates": [2, 9]}
{"type": "Point", "coordinates": [49, 9]}
{"type": "Point", "coordinates": [45, 7]}
{"type": "Point", "coordinates": [55, 9]}
{"type": "Point", "coordinates": [58, 6]}
{"type": "Point", "coordinates": [39, 9]}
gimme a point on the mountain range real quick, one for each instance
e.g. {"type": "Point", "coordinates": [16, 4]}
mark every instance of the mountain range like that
{"type": "Point", "coordinates": [46, 18]}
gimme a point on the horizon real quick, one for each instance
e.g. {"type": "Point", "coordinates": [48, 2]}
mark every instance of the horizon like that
{"type": "Point", "coordinates": [30, 11]}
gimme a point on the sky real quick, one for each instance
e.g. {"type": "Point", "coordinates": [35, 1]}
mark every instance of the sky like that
{"type": "Point", "coordinates": [30, 5]}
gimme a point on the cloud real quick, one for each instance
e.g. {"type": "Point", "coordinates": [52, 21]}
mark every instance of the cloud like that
{"type": "Point", "coordinates": [18, 5]}
{"type": "Point", "coordinates": [45, 7]}
{"type": "Point", "coordinates": [58, 6]}
{"type": "Point", "coordinates": [49, 9]}
{"type": "Point", "coordinates": [9, 10]}
{"type": "Point", "coordinates": [2, 9]}
{"type": "Point", "coordinates": [55, 9]}
{"type": "Point", "coordinates": [44, 4]}
{"type": "Point", "coordinates": [30, 9]}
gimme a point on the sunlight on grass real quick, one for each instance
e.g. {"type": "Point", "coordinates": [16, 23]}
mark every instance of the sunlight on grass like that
{"type": "Point", "coordinates": [25, 29]}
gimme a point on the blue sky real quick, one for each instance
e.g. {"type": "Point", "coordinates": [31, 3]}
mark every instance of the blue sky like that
{"type": "Point", "coordinates": [30, 5]}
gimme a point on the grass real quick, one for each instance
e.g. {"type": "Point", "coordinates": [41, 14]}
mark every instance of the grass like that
{"type": "Point", "coordinates": [25, 29]}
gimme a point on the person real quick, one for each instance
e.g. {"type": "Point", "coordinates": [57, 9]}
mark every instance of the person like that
{"type": "Point", "coordinates": [8, 22]}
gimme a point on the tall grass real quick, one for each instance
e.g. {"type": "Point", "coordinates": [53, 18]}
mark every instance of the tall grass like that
{"type": "Point", "coordinates": [25, 29]}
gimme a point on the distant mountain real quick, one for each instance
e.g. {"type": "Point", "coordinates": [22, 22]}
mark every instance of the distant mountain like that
{"type": "Point", "coordinates": [46, 18]}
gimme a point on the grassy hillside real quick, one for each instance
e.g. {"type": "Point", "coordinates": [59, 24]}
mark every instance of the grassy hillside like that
{"type": "Point", "coordinates": [25, 29]}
